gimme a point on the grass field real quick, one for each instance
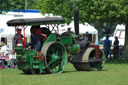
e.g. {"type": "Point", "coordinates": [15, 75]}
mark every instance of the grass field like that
{"type": "Point", "coordinates": [113, 73]}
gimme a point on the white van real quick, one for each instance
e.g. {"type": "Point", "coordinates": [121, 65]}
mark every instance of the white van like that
{"type": "Point", "coordinates": [120, 33]}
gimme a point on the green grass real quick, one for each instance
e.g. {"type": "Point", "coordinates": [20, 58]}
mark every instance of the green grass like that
{"type": "Point", "coordinates": [113, 73]}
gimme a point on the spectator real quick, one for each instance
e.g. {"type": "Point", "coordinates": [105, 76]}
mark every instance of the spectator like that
{"type": "Point", "coordinates": [4, 48]}
{"type": "Point", "coordinates": [107, 46]}
{"type": "Point", "coordinates": [4, 53]}
{"type": "Point", "coordinates": [12, 59]}
{"type": "Point", "coordinates": [116, 48]}
{"type": "Point", "coordinates": [2, 60]}
{"type": "Point", "coordinates": [19, 38]}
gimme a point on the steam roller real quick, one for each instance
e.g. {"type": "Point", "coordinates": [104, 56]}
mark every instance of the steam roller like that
{"type": "Point", "coordinates": [56, 49]}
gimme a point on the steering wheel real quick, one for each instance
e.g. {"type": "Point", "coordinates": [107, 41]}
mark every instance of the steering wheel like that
{"type": "Point", "coordinates": [44, 36]}
{"type": "Point", "coordinates": [45, 30]}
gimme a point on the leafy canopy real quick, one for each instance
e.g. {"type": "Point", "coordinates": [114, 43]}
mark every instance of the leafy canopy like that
{"type": "Point", "coordinates": [109, 11]}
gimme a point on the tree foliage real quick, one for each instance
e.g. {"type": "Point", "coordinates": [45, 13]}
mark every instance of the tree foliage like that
{"type": "Point", "coordinates": [16, 4]}
{"type": "Point", "coordinates": [4, 5]}
{"type": "Point", "coordinates": [91, 11]}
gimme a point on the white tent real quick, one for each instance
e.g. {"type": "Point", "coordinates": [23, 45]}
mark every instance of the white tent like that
{"type": "Point", "coordinates": [6, 29]}
{"type": "Point", "coordinates": [82, 28]}
{"type": "Point", "coordinates": [85, 28]}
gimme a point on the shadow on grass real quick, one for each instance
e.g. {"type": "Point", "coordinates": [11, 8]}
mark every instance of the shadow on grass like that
{"type": "Point", "coordinates": [70, 71]}
{"type": "Point", "coordinates": [40, 74]}
{"type": "Point", "coordinates": [65, 72]}
{"type": "Point", "coordinates": [28, 74]}
{"type": "Point", "coordinates": [121, 60]}
{"type": "Point", "coordinates": [47, 73]}
{"type": "Point", "coordinates": [85, 71]}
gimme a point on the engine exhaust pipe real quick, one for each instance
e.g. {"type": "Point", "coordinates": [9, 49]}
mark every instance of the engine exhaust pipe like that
{"type": "Point", "coordinates": [76, 21]}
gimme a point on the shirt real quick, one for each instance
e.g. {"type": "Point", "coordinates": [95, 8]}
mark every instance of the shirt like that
{"type": "Point", "coordinates": [107, 43]}
{"type": "Point", "coordinates": [36, 31]}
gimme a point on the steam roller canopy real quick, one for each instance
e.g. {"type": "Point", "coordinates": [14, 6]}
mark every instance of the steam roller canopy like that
{"type": "Point", "coordinates": [87, 60]}
{"type": "Point", "coordinates": [55, 57]}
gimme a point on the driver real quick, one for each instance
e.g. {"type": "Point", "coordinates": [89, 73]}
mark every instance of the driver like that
{"type": "Point", "coordinates": [36, 36]}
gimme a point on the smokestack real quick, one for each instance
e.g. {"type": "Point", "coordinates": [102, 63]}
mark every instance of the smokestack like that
{"type": "Point", "coordinates": [76, 22]}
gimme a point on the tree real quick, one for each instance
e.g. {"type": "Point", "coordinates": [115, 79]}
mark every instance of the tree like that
{"type": "Point", "coordinates": [57, 7]}
{"type": "Point", "coordinates": [108, 11]}
{"type": "Point", "coordinates": [91, 11]}
{"type": "Point", "coordinates": [30, 4]}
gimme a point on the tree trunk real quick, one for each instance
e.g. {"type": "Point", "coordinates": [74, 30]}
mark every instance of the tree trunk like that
{"type": "Point", "coordinates": [126, 36]}
{"type": "Point", "coordinates": [125, 50]}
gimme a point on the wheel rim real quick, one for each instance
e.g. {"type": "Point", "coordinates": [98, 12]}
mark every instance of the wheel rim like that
{"type": "Point", "coordinates": [55, 57]}
{"type": "Point", "coordinates": [97, 65]}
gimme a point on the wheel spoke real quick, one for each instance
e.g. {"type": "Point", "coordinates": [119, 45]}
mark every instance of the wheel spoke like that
{"type": "Point", "coordinates": [52, 49]}
{"type": "Point", "coordinates": [57, 52]}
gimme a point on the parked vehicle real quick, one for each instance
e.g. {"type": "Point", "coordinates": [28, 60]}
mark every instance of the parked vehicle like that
{"type": "Point", "coordinates": [120, 33]}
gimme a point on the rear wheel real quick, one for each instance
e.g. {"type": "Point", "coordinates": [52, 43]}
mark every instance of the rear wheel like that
{"type": "Point", "coordinates": [55, 57]}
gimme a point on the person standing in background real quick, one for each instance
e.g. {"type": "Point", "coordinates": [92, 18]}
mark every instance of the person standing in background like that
{"type": "Point", "coordinates": [116, 48]}
{"type": "Point", "coordinates": [107, 46]}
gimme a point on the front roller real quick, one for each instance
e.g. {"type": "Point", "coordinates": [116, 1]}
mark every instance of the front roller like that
{"type": "Point", "coordinates": [88, 61]}
{"type": "Point", "coordinates": [55, 57]}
